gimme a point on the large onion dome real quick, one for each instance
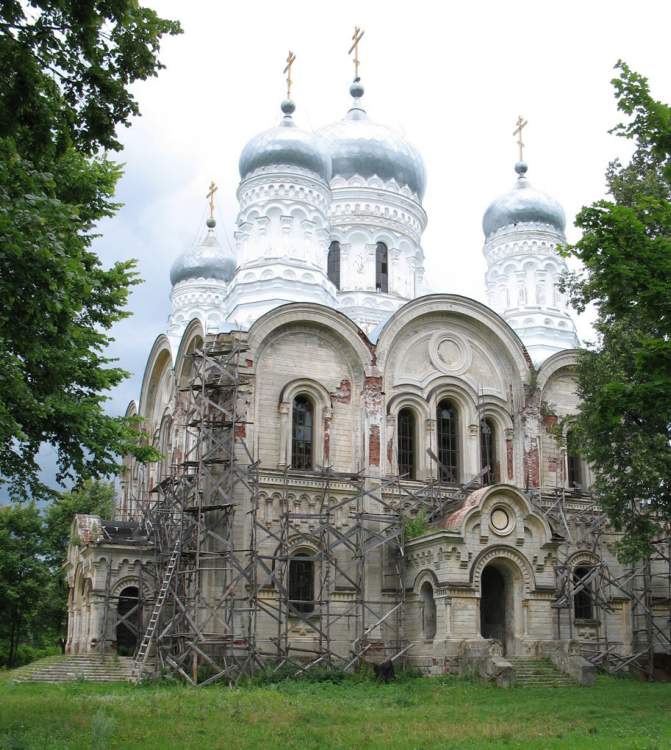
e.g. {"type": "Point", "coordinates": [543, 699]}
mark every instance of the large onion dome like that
{"type": "Point", "coordinates": [359, 146]}
{"type": "Point", "coordinates": [206, 260]}
{"type": "Point", "coordinates": [285, 145]}
{"type": "Point", "coordinates": [521, 205]}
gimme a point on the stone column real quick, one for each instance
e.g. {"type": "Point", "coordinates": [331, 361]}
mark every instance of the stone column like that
{"type": "Point", "coordinates": [285, 429]}
{"type": "Point", "coordinates": [286, 224]}
{"type": "Point", "coordinates": [509, 454]}
{"type": "Point", "coordinates": [429, 467]}
{"type": "Point", "coordinates": [471, 459]}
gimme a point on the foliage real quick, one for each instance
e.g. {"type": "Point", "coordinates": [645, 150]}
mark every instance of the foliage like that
{"type": "Point", "coordinates": [417, 525]}
{"type": "Point", "coordinates": [432, 713]}
{"type": "Point", "coordinates": [24, 575]}
{"type": "Point", "coordinates": [67, 68]}
{"type": "Point", "coordinates": [624, 423]}
{"type": "Point", "coordinates": [32, 589]}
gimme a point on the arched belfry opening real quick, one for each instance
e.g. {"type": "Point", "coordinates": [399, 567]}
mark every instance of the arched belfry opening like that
{"type": "Point", "coordinates": [500, 603]}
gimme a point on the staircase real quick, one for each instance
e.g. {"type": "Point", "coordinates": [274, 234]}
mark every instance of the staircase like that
{"type": "Point", "coordinates": [530, 672]}
{"type": "Point", "coordinates": [89, 667]}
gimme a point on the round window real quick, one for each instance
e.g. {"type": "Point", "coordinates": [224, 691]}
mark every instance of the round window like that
{"type": "Point", "coordinates": [500, 519]}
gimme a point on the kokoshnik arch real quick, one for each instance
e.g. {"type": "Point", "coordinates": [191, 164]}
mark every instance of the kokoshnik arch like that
{"type": "Point", "coordinates": [357, 391]}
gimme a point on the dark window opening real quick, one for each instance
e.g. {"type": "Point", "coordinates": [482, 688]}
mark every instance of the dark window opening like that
{"type": "Point", "coordinates": [381, 268]}
{"type": "Point", "coordinates": [301, 584]}
{"type": "Point", "coordinates": [428, 611]}
{"type": "Point", "coordinates": [333, 265]}
{"type": "Point", "coordinates": [301, 433]}
{"type": "Point", "coordinates": [448, 449]}
{"type": "Point", "coordinates": [406, 443]}
{"type": "Point", "coordinates": [487, 451]}
{"type": "Point", "coordinates": [574, 461]}
{"type": "Point", "coordinates": [129, 615]}
{"type": "Point", "coordinates": [582, 600]}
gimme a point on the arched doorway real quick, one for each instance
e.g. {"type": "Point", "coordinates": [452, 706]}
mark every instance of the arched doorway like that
{"type": "Point", "coordinates": [500, 598]}
{"type": "Point", "coordinates": [128, 612]}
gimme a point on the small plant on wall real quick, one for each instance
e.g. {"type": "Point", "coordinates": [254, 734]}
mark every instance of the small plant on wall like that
{"type": "Point", "coordinates": [417, 526]}
{"type": "Point", "coordinates": [549, 414]}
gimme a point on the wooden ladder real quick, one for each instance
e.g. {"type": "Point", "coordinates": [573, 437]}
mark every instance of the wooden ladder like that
{"type": "Point", "coordinates": [143, 651]}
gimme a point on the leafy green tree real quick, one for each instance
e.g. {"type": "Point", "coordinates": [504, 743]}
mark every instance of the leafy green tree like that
{"type": "Point", "coordinates": [67, 67]}
{"type": "Point", "coordinates": [24, 574]}
{"type": "Point", "coordinates": [625, 380]}
{"type": "Point", "coordinates": [33, 594]}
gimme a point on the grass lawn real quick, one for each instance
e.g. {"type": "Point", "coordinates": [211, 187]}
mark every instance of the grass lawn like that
{"type": "Point", "coordinates": [424, 713]}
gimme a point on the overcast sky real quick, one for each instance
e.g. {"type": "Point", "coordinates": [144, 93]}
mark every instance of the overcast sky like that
{"type": "Point", "coordinates": [452, 76]}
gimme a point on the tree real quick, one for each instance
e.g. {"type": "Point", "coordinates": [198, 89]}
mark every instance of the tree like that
{"type": "Point", "coordinates": [33, 594]}
{"type": "Point", "coordinates": [625, 380]}
{"type": "Point", "coordinates": [24, 574]}
{"type": "Point", "coordinates": [67, 67]}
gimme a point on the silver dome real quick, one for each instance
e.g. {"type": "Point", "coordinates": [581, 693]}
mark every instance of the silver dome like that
{"type": "Point", "coordinates": [361, 147]}
{"type": "Point", "coordinates": [285, 145]}
{"type": "Point", "coordinates": [206, 260]}
{"type": "Point", "coordinates": [523, 204]}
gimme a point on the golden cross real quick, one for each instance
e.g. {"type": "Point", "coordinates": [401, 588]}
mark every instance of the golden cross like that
{"type": "Point", "coordinates": [290, 61]}
{"type": "Point", "coordinates": [356, 38]}
{"type": "Point", "coordinates": [213, 189]}
{"type": "Point", "coordinates": [520, 124]}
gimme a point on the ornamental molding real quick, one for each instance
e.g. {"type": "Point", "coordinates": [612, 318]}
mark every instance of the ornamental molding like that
{"type": "Point", "coordinates": [503, 553]}
{"type": "Point", "coordinates": [450, 353]}
{"type": "Point", "coordinates": [351, 221]}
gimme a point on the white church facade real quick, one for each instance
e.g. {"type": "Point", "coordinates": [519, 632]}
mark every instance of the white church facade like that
{"type": "Point", "coordinates": [357, 394]}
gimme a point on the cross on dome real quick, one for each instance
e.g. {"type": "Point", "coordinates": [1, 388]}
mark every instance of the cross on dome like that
{"type": "Point", "coordinates": [356, 38]}
{"type": "Point", "coordinates": [519, 126]}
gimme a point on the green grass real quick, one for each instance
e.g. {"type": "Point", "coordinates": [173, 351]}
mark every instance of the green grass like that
{"type": "Point", "coordinates": [416, 714]}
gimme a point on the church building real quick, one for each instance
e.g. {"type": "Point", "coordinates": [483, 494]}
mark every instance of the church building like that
{"type": "Point", "coordinates": [355, 467]}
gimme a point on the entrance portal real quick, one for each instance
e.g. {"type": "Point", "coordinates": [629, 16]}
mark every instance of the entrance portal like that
{"type": "Point", "coordinates": [497, 606]}
{"type": "Point", "coordinates": [127, 628]}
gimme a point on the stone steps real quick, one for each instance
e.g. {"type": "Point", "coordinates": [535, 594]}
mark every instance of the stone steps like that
{"type": "Point", "coordinates": [71, 668]}
{"type": "Point", "coordinates": [530, 672]}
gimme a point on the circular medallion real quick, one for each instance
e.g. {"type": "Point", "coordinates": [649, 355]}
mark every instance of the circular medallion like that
{"type": "Point", "coordinates": [500, 520]}
{"type": "Point", "coordinates": [449, 353]}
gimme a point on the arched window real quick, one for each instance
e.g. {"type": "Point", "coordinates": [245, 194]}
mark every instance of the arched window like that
{"type": "Point", "coordinates": [302, 583]}
{"type": "Point", "coordinates": [381, 268]}
{"type": "Point", "coordinates": [128, 610]}
{"type": "Point", "coordinates": [333, 265]}
{"type": "Point", "coordinates": [301, 433]}
{"type": "Point", "coordinates": [574, 461]}
{"type": "Point", "coordinates": [488, 451]}
{"type": "Point", "coordinates": [582, 600]}
{"type": "Point", "coordinates": [428, 611]}
{"type": "Point", "coordinates": [406, 443]}
{"type": "Point", "coordinates": [448, 447]}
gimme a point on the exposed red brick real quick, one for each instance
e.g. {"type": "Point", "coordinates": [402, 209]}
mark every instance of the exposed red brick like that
{"type": "Point", "coordinates": [327, 440]}
{"type": "Point", "coordinates": [531, 467]}
{"type": "Point", "coordinates": [343, 393]}
{"type": "Point", "coordinates": [509, 458]}
{"type": "Point", "coordinates": [374, 445]}
{"type": "Point", "coordinates": [552, 465]}
{"type": "Point", "coordinates": [249, 362]}
{"type": "Point", "coordinates": [240, 430]}
{"type": "Point", "coordinates": [497, 471]}
{"type": "Point", "coordinates": [372, 394]}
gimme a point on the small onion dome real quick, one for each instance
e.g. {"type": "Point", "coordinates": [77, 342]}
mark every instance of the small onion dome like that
{"type": "Point", "coordinates": [359, 146]}
{"type": "Point", "coordinates": [205, 260]}
{"type": "Point", "coordinates": [523, 204]}
{"type": "Point", "coordinates": [285, 145]}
